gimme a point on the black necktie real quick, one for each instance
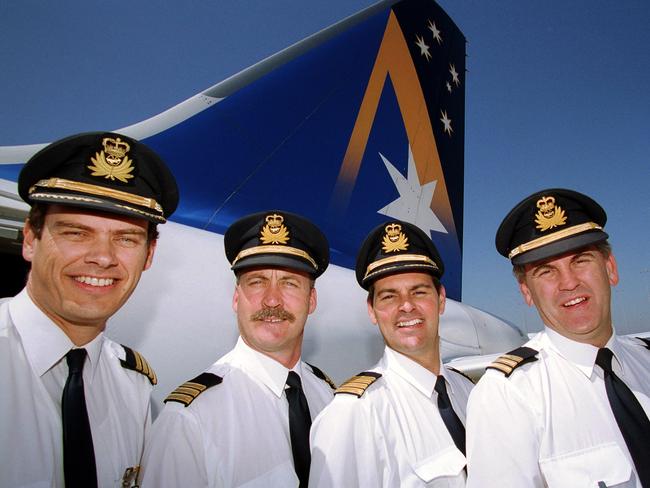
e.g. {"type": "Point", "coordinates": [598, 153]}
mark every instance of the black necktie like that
{"type": "Point", "coordinates": [299, 424]}
{"type": "Point", "coordinates": [78, 453]}
{"type": "Point", "coordinates": [449, 417]}
{"type": "Point", "coordinates": [630, 417]}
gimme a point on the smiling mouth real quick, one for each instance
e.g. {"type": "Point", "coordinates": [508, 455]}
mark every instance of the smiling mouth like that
{"type": "Point", "coordinates": [93, 281]}
{"type": "Point", "coordinates": [409, 323]}
{"type": "Point", "coordinates": [575, 301]}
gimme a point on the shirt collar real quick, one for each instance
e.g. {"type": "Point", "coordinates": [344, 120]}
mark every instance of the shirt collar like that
{"type": "Point", "coordinates": [263, 368]}
{"type": "Point", "coordinates": [418, 376]}
{"type": "Point", "coordinates": [45, 344]}
{"type": "Point", "coordinates": [582, 355]}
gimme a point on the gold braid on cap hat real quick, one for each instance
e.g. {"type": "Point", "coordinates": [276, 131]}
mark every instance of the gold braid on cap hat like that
{"type": "Point", "coordinates": [555, 236]}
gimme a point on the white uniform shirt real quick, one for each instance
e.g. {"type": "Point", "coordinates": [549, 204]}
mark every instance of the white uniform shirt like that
{"type": "Point", "coordinates": [550, 424]}
{"type": "Point", "coordinates": [33, 372]}
{"type": "Point", "coordinates": [393, 435]}
{"type": "Point", "coordinates": [234, 434]}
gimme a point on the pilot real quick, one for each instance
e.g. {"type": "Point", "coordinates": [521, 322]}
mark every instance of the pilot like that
{"type": "Point", "coordinates": [401, 423]}
{"type": "Point", "coordinates": [76, 405]}
{"type": "Point", "coordinates": [570, 408]}
{"type": "Point", "coordinates": [245, 421]}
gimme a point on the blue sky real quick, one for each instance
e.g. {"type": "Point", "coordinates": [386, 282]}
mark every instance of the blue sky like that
{"type": "Point", "coordinates": [557, 96]}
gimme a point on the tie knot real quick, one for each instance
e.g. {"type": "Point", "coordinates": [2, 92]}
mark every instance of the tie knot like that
{"type": "Point", "coordinates": [293, 380]}
{"type": "Point", "coordinates": [604, 359]}
{"type": "Point", "coordinates": [440, 387]}
{"type": "Point", "coordinates": [75, 359]}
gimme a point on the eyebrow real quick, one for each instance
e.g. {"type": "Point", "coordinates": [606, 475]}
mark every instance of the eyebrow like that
{"type": "Point", "coordinates": [76, 225]}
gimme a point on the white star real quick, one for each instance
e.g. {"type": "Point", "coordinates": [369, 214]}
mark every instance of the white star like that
{"type": "Point", "coordinates": [424, 49]}
{"type": "Point", "coordinates": [448, 87]}
{"type": "Point", "coordinates": [414, 202]}
{"type": "Point", "coordinates": [446, 122]}
{"type": "Point", "coordinates": [454, 74]}
{"type": "Point", "coordinates": [436, 33]}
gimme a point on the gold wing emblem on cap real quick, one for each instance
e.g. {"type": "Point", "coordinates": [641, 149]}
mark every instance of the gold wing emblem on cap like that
{"type": "Point", "coordinates": [113, 163]}
{"type": "Point", "coordinates": [274, 231]}
{"type": "Point", "coordinates": [549, 215]}
{"type": "Point", "coordinates": [394, 240]}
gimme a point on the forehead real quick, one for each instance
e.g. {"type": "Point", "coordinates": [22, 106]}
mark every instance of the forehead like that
{"type": "Point", "coordinates": [92, 218]}
{"type": "Point", "coordinates": [403, 280]}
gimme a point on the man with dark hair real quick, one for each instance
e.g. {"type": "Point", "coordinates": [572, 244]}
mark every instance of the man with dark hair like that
{"type": "Point", "coordinates": [76, 405]}
{"type": "Point", "coordinates": [245, 421]}
{"type": "Point", "coordinates": [399, 424]}
{"type": "Point", "coordinates": [570, 408]}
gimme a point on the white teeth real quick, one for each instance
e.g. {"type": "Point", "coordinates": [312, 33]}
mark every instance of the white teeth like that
{"type": "Point", "coordinates": [575, 301]}
{"type": "Point", "coordinates": [88, 280]}
{"type": "Point", "coordinates": [409, 323]}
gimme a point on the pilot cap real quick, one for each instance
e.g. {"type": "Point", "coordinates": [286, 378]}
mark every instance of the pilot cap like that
{"type": "Point", "coordinates": [396, 247]}
{"type": "Point", "coordinates": [276, 239]}
{"type": "Point", "coordinates": [549, 223]}
{"type": "Point", "coordinates": [102, 171]}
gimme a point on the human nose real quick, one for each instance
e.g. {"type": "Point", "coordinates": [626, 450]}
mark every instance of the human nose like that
{"type": "Point", "coordinates": [102, 253]}
{"type": "Point", "coordinates": [271, 296]}
{"type": "Point", "coordinates": [567, 279]}
{"type": "Point", "coordinates": [406, 305]}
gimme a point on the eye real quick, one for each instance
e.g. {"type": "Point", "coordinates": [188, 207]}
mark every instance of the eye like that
{"type": "Point", "coordinates": [543, 272]}
{"type": "Point", "coordinates": [73, 234]}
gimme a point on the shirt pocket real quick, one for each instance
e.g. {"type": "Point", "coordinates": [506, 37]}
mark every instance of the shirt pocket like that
{"type": "Point", "coordinates": [448, 462]}
{"type": "Point", "coordinates": [585, 468]}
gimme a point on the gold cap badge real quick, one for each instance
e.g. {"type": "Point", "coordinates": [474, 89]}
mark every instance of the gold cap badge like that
{"type": "Point", "coordinates": [394, 239]}
{"type": "Point", "coordinates": [274, 231]}
{"type": "Point", "coordinates": [549, 215]}
{"type": "Point", "coordinates": [113, 163]}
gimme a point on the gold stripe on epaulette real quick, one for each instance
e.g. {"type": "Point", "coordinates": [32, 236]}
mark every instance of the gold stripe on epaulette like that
{"type": "Point", "coordinates": [356, 385]}
{"type": "Point", "coordinates": [142, 365]}
{"type": "Point", "coordinates": [501, 367]}
{"type": "Point", "coordinates": [181, 398]}
{"type": "Point", "coordinates": [506, 363]}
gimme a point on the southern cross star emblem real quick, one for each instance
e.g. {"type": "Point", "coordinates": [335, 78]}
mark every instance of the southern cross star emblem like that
{"type": "Point", "coordinates": [414, 202]}
{"type": "Point", "coordinates": [436, 33]}
{"type": "Point", "coordinates": [424, 49]}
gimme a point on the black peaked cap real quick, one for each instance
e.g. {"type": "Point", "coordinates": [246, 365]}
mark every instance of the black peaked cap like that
{"type": "Point", "coordinates": [549, 223]}
{"type": "Point", "coordinates": [101, 171]}
{"type": "Point", "coordinates": [396, 247]}
{"type": "Point", "coordinates": [276, 238]}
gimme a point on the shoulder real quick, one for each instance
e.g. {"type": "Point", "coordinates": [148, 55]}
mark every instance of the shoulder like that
{"type": "Point", "coordinates": [190, 390]}
{"type": "Point", "coordinates": [359, 384]}
{"type": "Point", "coordinates": [321, 375]}
{"type": "Point", "coordinates": [132, 360]}
{"type": "Point", "coordinates": [643, 341]}
{"type": "Point", "coordinates": [458, 374]}
{"type": "Point", "coordinates": [636, 346]}
{"type": "Point", "coordinates": [514, 359]}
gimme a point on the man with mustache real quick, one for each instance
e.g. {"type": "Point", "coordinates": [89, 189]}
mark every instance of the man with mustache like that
{"type": "Point", "coordinates": [76, 405]}
{"type": "Point", "coordinates": [245, 421]}
{"type": "Point", "coordinates": [570, 408]}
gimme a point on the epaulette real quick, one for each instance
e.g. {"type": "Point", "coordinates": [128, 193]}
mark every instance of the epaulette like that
{"type": "Point", "coordinates": [135, 361]}
{"type": "Point", "coordinates": [319, 374]}
{"type": "Point", "coordinates": [357, 385]}
{"type": "Point", "coordinates": [460, 373]}
{"type": "Point", "coordinates": [188, 391]}
{"type": "Point", "coordinates": [512, 360]}
{"type": "Point", "coordinates": [645, 341]}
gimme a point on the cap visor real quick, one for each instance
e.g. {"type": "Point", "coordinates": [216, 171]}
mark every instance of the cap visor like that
{"type": "Point", "coordinates": [560, 247]}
